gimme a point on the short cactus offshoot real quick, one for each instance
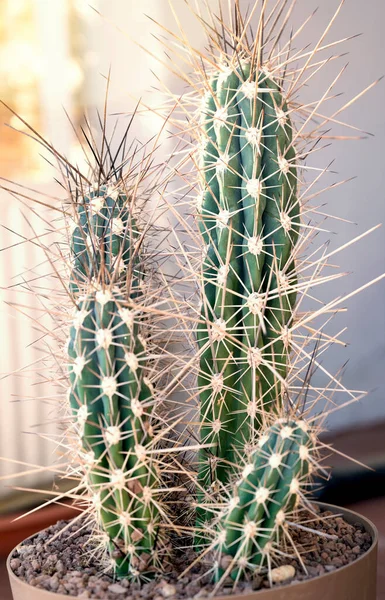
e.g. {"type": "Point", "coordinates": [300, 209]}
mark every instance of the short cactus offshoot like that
{"type": "Point", "coordinates": [270, 486]}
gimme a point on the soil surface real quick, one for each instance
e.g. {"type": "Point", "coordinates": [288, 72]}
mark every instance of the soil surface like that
{"type": "Point", "coordinates": [65, 565]}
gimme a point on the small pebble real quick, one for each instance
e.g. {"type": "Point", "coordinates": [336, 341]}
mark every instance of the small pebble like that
{"type": "Point", "coordinates": [15, 564]}
{"type": "Point", "coordinates": [116, 588]}
{"type": "Point", "coordinates": [280, 574]}
{"type": "Point", "coordinates": [168, 590]}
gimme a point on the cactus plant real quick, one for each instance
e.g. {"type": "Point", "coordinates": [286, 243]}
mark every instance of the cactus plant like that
{"type": "Point", "coordinates": [253, 350]}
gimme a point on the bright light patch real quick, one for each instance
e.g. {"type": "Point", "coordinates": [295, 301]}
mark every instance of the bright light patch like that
{"type": "Point", "coordinates": [222, 164]}
{"type": "Point", "coordinates": [283, 281]}
{"type": "Point", "coordinates": [303, 425]}
{"type": "Point", "coordinates": [286, 432]}
{"type": "Point", "coordinates": [147, 494]}
{"type": "Point", "coordinates": [281, 117]}
{"type": "Point", "coordinates": [79, 316]}
{"type": "Point", "coordinates": [285, 221]}
{"type": "Point", "coordinates": [251, 409]}
{"type": "Point", "coordinates": [113, 193]}
{"type": "Point", "coordinates": [96, 501]}
{"type": "Point", "coordinates": [118, 479]}
{"type": "Point", "coordinates": [220, 118]}
{"type": "Point", "coordinates": [248, 469]}
{"type": "Point", "coordinates": [199, 202]}
{"type": "Point", "coordinates": [283, 164]}
{"type": "Point", "coordinates": [275, 461]}
{"type": "Point", "coordinates": [286, 336]}
{"type": "Point", "coordinates": [263, 440]}
{"type": "Point", "coordinates": [125, 519]}
{"type": "Point", "coordinates": [304, 452]}
{"type": "Point", "coordinates": [140, 452]}
{"type": "Point", "coordinates": [294, 486]}
{"type": "Point", "coordinates": [82, 414]}
{"type": "Point", "coordinates": [136, 407]}
{"type": "Point", "coordinates": [233, 503]}
{"type": "Point", "coordinates": [225, 74]}
{"type": "Point", "coordinates": [250, 529]}
{"type": "Point", "coordinates": [97, 203]}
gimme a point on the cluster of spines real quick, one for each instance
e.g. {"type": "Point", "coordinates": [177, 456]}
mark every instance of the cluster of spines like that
{"type": "Point", "coordinates": [104, 238]}
{"type": "Point", "coordinates": [270, 486]}
{"type": "Point", "coordinates": [248, 215]}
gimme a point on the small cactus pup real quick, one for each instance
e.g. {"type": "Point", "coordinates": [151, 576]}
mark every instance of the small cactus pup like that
{"type": "Point", "coordinates": [113, 404]}
{"type": "Point", "coordinates": [266, 493]}
{"type": "Point", "coordinates": [248, 216]}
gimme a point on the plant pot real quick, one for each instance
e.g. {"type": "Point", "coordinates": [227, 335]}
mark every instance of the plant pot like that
{"type": "Point", "coordinates": [356, 581]}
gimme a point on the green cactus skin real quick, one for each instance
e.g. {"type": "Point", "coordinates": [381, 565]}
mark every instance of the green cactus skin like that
{"type": "Point", "coordinates": [112, 402]}
{"type": "Point", "coordinates": [266, 493]}
{"type": "Point", "coordinates": [248, 271]}
{"type": "Point", "coordinates": [103, 238]}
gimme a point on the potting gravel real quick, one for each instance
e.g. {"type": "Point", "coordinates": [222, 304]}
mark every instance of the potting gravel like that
{"type": "Point", "coordinates": [66, 566]}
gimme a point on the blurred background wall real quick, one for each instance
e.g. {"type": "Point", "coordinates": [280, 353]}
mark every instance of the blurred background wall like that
{"type": "Point", "coordinates": [56, 54]}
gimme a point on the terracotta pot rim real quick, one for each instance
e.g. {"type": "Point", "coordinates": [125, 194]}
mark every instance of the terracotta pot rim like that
{"type": "Point", "coordinates": [369, 527]}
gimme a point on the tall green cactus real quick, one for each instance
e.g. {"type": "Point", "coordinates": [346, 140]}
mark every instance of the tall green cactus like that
{"type": "Point", "coordinates": [110, 396]}
{"type": "Point", "coordinates": [249, 220]}
{"type": "Point", "coordinates": [265, 495]}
